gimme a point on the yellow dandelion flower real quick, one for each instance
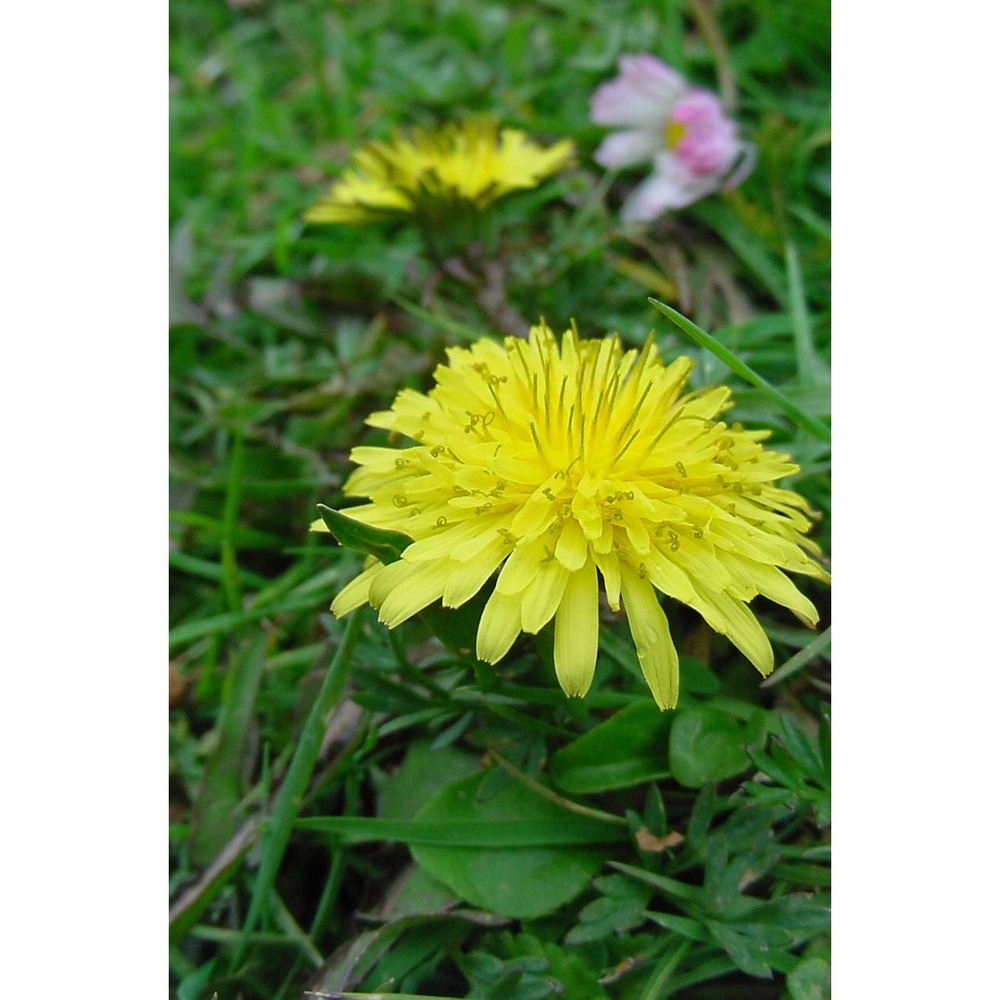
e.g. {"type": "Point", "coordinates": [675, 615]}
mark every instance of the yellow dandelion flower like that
{"type": "Point", "coordinates": [554, 464]}
{"type": "Point", "coordinates": [460, 166]}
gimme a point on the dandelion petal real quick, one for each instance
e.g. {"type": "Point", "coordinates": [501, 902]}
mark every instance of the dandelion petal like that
{"type": "Point", "coordinates": [651, 634]}
{"type": "Point", "coordinates": [543, 595]}
{"type": "Point", "coordinates": [499, 626]}
{"type": "Point", "coordinates": [576, 632]}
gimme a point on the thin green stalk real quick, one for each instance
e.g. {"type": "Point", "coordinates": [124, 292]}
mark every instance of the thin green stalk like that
{"type": "Point", "coordinates": [546, 793]}
{"type": "Point", "coordinates": [278, 831]}
{"type": "Point", "coordinates": [314, 995]}
{"type": "Point", "coordinates": [208, 570]}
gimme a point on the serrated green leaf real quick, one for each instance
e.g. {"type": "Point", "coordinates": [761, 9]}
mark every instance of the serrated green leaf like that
{"type": "Point", "coordinates": [810, 980]}
{"type": "Point", "coordinates": [768, 765]}
{"type": "Point", "coordinates": [748, 954]}
{"type": "Point", "coordinates": [669, 886]}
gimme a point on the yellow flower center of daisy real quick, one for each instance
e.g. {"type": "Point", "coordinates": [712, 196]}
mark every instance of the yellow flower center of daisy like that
{"type": "Point", "coordinates": [673, 134]}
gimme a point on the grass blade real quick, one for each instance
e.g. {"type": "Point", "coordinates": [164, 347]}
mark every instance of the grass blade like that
{"type": "Point", "coordinates": [474, 833]}
{"type": "Point", "coordinates": [656, 985]}
{"type": "Point", "coordinates": [185, 912]}
{"type": "Point", "coordinates": [275, 837]}
{"type": "Point", "coordinates": [776, 396]}
{"type": "Point", "coordinates": [812, 370]}
{"type": "Point", "coordinates": [215, 817]}
{"type": "Point", "coordinates": [801, 659]}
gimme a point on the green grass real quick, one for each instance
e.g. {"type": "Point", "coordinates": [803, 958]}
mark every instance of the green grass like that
{"type": "Point", "coordinates": [302, 748]}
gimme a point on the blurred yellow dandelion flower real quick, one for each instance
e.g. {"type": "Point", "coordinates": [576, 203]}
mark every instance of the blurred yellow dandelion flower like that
{"type": "Point", "coordinates": [552, 463]}
{"type": "Point", "coordinates": [432, 173]}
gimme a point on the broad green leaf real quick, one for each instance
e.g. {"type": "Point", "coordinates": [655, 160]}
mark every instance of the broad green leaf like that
{"type": "Point", "coordinates": [517, 882]}
{"type": "Point", "coordinates": [421, 774]}
{"type": "Point", "coordinates": [696, 678]}
{"type": "Point", "coordinates": [627, 749]}
{"type": "Point", "coordinates": [707, 745]}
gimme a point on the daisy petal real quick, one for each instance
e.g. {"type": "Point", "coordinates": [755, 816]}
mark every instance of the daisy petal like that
{"type": "Point", "coordinates": [672, 185]}
{"type": "Point", "coordinates": [626, 149]}
{"type": "Point", "coordinates": [643, 94]}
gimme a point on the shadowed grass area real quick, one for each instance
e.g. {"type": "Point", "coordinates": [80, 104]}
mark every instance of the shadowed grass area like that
{"type": "Point", "coordinates": [284, 722]}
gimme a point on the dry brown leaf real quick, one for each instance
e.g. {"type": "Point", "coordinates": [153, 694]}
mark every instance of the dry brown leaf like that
{"type": "Point", "coordinates": [648, 842]}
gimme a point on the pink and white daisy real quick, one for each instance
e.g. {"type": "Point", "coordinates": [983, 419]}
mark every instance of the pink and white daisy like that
{"type": "Point", "coordinates": [695, 149]}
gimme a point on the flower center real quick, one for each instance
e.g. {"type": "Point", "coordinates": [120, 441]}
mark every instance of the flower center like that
{"type": "Point", "coordinates": [673, 133]}
{"type": "Point", "coordinates": [700, 135]}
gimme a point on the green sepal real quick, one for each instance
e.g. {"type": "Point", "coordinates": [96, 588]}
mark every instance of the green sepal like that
{"type": "Point", "coordinates": [385, 546]}
{"type": "Point", "coordinates": [455, 627]}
